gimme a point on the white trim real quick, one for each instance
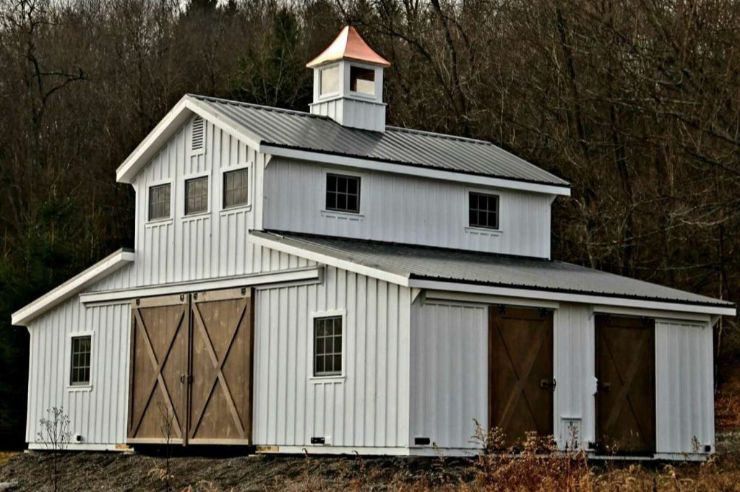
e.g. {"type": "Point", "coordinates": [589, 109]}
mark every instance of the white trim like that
{"type": "Point", "coordinates": [74, 447]}
{"type": "Point", "coordinates": [328, 378]}
{"type": "Point", "coordinates": [148, 196]}
{"type": "Point", "coordinates": [314, 274]}
{"type": "Point", "coordinates": [389, 167]}
{"type": "Point", "coordinates": [68, 361]}
{"type": "Point", "coordinates": [439, 295]}
{"type": "Point", "coordinates": [328, 449]}
{"type": "Point", "coordinates": [570, 297]}
{"type": "Point", "coordinates": [651, 313]}
{"type": "Point", "coordinates": [104, 267]}
{"type": "Point", "coordinates": [185, 178]}
{"type": "Point", "coordinates": [348, 265]}
{"type": "Point", "coordinates": [249, 166]}
{"type": "Point", "coordinates": [167, 127]}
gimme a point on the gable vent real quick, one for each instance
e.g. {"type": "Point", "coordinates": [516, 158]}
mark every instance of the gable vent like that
{"type": "Point", "coordinates": [197, 138]}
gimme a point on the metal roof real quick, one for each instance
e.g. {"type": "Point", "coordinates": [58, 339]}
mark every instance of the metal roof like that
{"type": "Point", "coordinates": [305, 131]}
{"type": "Point", "coordinates": [458, 266]}
{"type": "Point", "coordinates": [349, 45]}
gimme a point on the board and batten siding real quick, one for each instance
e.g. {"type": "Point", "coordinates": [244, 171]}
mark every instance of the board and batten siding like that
{"type": "Point", "coordinates": [684, 386]}
{"type": "Point", "coordinates": [449, 373]}
{"type": "Point", "coordinates": [368, 405]}
{"type": "Point", "coordinates": [97, 413]}
{"type": "Point", "coordinates": [403, 209]}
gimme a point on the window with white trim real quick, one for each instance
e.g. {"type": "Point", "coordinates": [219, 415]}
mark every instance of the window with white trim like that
{"type": "Point", "coordinates": [196, 195]}
{"type": "Point", "coordinates": [236, 188]}
{"type": "Point", "coordinates": [483, 210]}
{"type": "Point", "coordinates": [327, 346]}
{"type": "Point", "coordinates": [159, 201]}
{"type": "Point", "coordinates": [79, 374]}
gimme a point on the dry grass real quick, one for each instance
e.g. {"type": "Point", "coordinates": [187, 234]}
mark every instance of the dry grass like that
{"type": "Point", "coordinates": [727, 404]}
{"type": "Point", "coordinates": [5, 456]}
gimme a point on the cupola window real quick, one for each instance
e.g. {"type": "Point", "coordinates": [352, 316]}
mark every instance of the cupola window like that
{"type": "Point", "coordinates": [330, 80]}
{"type": "Point", "coordinates": [362, 80]}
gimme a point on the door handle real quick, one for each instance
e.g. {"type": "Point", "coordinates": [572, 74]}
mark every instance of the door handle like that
{"type": "Point", "coordinates": [548, 384]}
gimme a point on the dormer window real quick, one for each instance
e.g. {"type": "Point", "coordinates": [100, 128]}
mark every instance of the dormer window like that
{"type": "Point", "coordinates": [330, 80]}
{"type": "Point", "coordinates": [362, 80]}
{"type": "Point", "coordinates": [483, 210]}
{"type": "Point", "coordinates": [343, 193]}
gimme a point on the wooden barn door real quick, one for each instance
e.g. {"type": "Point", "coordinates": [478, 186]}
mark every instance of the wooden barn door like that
{"type": "Point", "coordinates": [625, 368]}
{"type": "Point", "coordinates": [221, 365]}
{"type": "Point", "coordinates": [520, 368]}
{"type": "Point", "coordinates": [191, 369]}
{"type": "Point", "coordinates": [158, 369]}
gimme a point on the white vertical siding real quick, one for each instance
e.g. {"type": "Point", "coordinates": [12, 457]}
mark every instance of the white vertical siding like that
{"type": "Point", "coordinates": [364, 408]}
{"type": "Point", "coordinates": [97, 413]}
{"type": "Point", "coordinates": [575, 370]}
{"type": "Point", "coordinates": [684, 386]}
{"type": "Point", "coordinates": [449, 373]}
{"type": "Point", "coordinates": [404, 209]}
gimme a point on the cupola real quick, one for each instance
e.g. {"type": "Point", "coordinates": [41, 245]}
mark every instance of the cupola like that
{"type": "Point", "coordinates": [348, 82]}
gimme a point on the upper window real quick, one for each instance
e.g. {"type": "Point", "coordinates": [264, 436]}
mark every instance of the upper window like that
{"type": "Point", "coordinates": [343, 193]}
{"type": "Point", "coordinates": [483, 210]}
{"type": "Point", "coordinates": [327, 347]}
{"type": "Point", "coordinates": [329, 80]}
{"type": "Point", "coordinates": [235, 188]}
{"type": "Point", "coordinates": [80, 367]}
{"type": "Point", "coordinates": [196, 195]}
{"type": "Point", "coordinates": [159, 202]}
{"type": "Point", "coordinates": [198, 135]}
{"type": "Point", "coordinates": [362, 80]}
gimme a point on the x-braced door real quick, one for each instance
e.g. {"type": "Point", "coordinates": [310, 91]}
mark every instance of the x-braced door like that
{"type": "Point", "coordinates": [625, 398]}
{"type": "Point", "coordinates": [158, 370]}
{"type": "Point", "coordinates": [520, 368]}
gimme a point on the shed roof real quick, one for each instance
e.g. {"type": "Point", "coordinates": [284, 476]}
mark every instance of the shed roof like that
{"type": "Point", "coordinates": [457, 266]}
{"type": "Point", "coordinates": [304, 131]}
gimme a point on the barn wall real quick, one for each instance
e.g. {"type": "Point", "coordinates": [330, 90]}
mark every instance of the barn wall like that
{"type": "Point", "coordinates": [684, 386]}
{"type": "Point", "coordinates": [97, 413]}
{"type": "Point", "coordinates": [449, 372]}
{"type": "Point", "coordinates": [575, 370]}
{"type": "Point", "coordinates": [403, 209]}
{"type": "Point", "coordinates": [366, 408]}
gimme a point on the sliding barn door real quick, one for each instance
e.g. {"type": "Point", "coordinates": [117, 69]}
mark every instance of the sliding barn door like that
{"type": "Point", "coordinates": [625, 368]}
{"type": "Point", "coordinates": [158, 370]}
{"type": "Point", "coordinates": [520, 361]}
{"type": "Point", "coordinates": [221, 365]}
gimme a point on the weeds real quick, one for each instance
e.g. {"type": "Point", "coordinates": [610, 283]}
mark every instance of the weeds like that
{"type": "Point", "coordinates": [54, 435]}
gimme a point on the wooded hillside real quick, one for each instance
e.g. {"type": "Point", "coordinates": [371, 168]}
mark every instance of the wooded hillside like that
{"type": "Point", "coordinates": [636, 103]}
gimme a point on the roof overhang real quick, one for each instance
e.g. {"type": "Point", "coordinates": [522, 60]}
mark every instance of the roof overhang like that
{"type": "Point", "coordinates": [169, 125]}
{"type": "Point", "coordinates": [104, 267]}
{"type": "Point", "coordinates": [412, 170]}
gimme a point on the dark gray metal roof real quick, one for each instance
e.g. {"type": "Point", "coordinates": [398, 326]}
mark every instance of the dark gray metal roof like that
{"type": "Point", "coordinates": [458, 266]}
{"type": "Point", "coordinates": [304, 131]}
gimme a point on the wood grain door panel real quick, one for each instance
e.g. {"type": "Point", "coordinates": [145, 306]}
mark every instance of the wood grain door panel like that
{"type": "Point", "coordinates": [625, 368]}
{"type": "Point", "coordinates": [521, 384]}
{"type": "Point", "coordinates": [158, 369]}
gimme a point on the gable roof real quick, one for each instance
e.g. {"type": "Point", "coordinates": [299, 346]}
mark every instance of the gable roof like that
{"type": "Point", "coordinates": [349, 45]}
{"type": "Point", "coordinates": [274, 130]}
{"type": "Point", "coordinates": [413, 265]}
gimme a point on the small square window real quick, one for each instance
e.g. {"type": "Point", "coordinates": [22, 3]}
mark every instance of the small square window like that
{"type": "Point", "coordinates": [159, 202]}
{"type": "Point", "coordinates": [236, 188]}
{"type": "Point", "coordinates": [483, 210]}
{"type": "Point", "coordinates": [329, 80]}
{"type": "Point", "coordinates": [343, 193]}
{"type": "Point", "coordinates": [196, 195]}
{"type": "Point", "coordinates": [362, 80]}
{"type": "Point", "coordinates": [80, 361]}
{"type": "Point", "coordinates": [327, 353]}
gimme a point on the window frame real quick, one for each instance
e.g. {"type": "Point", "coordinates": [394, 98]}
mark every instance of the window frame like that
{"type": "Point", "coordinates": [69, 361]}
{"type": "Point", "coordinates": [489, 193]}
{"type": "Point", "coordinates": [154, 184]}
{"type": "Point", "coordinates": [242, 167]}
{"type": "Point", "coordinates": [360, 93]}
{"type": "Point", "coordinates": [343, 174]}
{"type": "Point", "coordinates": [335, 377]}
{"type": "Point", "coordinates": [338, 91]}
{"type": "Point", "coordinates": [185, 180]}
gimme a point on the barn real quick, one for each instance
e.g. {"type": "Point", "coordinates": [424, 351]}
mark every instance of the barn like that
{"type": "Point", "coordinates": [323, 282]}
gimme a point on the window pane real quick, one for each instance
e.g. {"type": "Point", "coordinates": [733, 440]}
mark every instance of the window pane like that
{"type": "Point", "coordinates": [483, 210]}
{"type": "Point", "coordinates": [159, 201]}
{"type": "Point", "coordinates": [80, 360]}
{"type": "Point", "coordinates": [330, 80]}
{"type": "Point", "coordinates": [327, 346]}
{"type": "Point", "coordinates": [235, 188]}
{"type": "Point", "coordinates": [343, 193]}
{"type": "Point", "coordinates": [362, 80]}
{"type": "Point", "coordinates": [196, 195]}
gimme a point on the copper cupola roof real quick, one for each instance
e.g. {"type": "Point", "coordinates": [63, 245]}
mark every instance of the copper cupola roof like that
{"type": "Point", "coordinates": [349, 45]}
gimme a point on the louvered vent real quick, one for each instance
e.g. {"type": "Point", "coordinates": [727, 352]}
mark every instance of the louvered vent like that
{"type": "Point", "coordinates": [198, 136]}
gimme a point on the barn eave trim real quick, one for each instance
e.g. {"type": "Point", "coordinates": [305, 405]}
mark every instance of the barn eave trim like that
{"type": "Point", "coordinates": [59, 294]}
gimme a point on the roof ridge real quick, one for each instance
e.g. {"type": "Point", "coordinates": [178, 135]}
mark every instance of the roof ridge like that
{"type": "Point", "coordinates": [257, 106]}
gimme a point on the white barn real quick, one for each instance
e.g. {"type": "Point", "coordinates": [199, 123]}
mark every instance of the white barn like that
{"type": "Point", "coordinates": [323, 282]}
